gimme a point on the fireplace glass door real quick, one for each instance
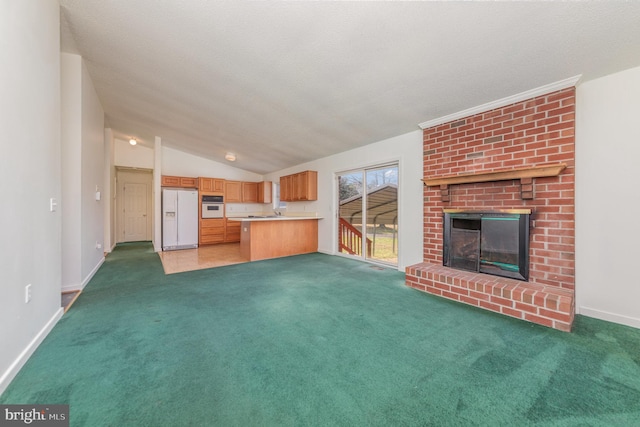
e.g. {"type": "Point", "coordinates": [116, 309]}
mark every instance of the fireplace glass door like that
{"type": "Point", "coordinates": [492, 243]}
{"type": "Point", "coordinates": [465, 244]}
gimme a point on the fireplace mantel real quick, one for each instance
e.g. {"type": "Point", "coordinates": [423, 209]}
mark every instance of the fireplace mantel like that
{"type": "Point", "coordinates": [517, 173]}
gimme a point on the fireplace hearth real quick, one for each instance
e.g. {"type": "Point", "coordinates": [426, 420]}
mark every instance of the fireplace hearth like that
{"type": "Point", "coordinates": [516, 160]}
{"type": "Point", "coordinates": [495, 243]}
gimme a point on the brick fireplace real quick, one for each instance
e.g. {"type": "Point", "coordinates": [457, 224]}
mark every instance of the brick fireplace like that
{"type": "Point", "coordinates": [516, 158]}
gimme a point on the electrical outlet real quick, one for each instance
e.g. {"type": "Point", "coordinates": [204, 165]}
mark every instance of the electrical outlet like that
{"type": "Point", "coordinates": [27, 293]}
{"type": "Point", "coordinates": [98, 245]}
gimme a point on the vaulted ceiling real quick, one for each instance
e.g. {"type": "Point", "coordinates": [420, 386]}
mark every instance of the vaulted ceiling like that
{"type": "Point", "coordinates": [282, 83]}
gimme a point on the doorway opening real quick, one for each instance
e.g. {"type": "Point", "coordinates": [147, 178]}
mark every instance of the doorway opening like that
{"type": "Point", "coordinates": [368, 213]}
{"type": "Point", "coordinates": [134, 205]}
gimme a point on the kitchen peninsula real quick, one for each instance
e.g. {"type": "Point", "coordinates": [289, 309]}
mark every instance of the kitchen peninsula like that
{"type": "Point", "coordinates": [265, 237]}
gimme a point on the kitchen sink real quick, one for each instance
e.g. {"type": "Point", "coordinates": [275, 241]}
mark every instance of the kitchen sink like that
{"type": "Point", "coordinates": [263, 216]}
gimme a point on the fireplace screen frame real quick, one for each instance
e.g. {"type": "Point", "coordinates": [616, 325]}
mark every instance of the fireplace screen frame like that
{"type": "Point", "coordinates": [474, 220]}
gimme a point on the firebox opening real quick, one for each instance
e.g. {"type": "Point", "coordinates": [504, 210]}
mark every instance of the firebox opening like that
{"type": "Point", "coordinates": [488, 242]}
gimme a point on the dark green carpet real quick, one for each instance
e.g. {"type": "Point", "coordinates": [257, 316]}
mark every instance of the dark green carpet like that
{"type": "Point", "coordinates": [316, 340]}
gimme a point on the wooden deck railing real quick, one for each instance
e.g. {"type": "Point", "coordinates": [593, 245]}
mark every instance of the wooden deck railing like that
{"type": "Point", "coordinates": [350, 239]}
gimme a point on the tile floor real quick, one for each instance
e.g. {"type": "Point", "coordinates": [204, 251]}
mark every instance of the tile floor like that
{"type": "Point", "coordinates": [203, 257]}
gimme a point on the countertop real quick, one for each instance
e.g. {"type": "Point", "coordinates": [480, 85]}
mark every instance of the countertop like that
{"type": "Point", "coordinates": [271, 218]}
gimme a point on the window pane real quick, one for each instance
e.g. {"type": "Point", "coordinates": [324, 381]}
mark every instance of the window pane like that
{"type": "Point", "coordinates": [382, 214]}
{"type": "Point", "coordinates": [350, 189]}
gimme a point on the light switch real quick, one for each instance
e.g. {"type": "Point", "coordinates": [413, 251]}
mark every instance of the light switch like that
{"type": "Point", "coordinates": [53, 204]}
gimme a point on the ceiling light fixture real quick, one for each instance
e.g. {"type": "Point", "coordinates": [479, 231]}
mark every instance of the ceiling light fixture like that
{"type": "Point", "coordinates": [230, 157]}
{"type": "Point", "coordinates": [132, 141]}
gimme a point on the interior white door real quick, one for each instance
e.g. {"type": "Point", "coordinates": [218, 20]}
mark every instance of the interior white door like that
{"type": "Point", "coordinates": [135, 212]}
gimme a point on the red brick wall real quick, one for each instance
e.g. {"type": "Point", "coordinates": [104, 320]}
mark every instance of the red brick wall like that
{"type": "Point", "coordinates": [535, 132]}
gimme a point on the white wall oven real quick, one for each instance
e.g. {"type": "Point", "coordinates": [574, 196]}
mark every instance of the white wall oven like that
{"type": "Point", "coordinates": [212, 206]}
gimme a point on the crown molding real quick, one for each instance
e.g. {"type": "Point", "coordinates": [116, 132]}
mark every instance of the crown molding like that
{"type": "Point", "coordinates": [542, 90]}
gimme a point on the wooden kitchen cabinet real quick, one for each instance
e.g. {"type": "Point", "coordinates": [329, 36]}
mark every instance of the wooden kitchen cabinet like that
{"type": "Point", "coordinates": [295, 190]}
{"type": "Point", "coordinates": [233, 192]}
{"type": "Point", "coordinates": [302, 186]}
{"type": "Point", "coordinates": [278, 238]}
{"type": "Point", "coordinates": [264, 192]}
{"type": "Point", "coordinates": [212, 230]}
{"type": "Point", "coordinates": [170, 181]}
{"type": "Point", "coordinates": [250, 192]}
{"type": "Point", "coordinates": [179, 181]}
{"type": "Point", "coordinates": [285, 188]}
{"type": "Point", "coordinates": [307, 185]}
{"type": "Point", "coordinates": [211, 185]}
{"type": "Point", "coordinates": [188, 182]}
{"type": "Point", "coordinates": [232, 231]}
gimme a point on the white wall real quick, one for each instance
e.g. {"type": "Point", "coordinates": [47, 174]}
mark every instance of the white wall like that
{"type": "Point", "coordinates": [243, 209]}
{"type": "Point", "coordinates": [157, 196]}
{"type": "Point", "coordinates": [109, 193]}
{"type": "Point", "coordinates": [179, 163]}
{"type": "Point", "coordinates": [608, 198]}
{"type": "Point", "coordinates": [82, 131]}
{"type": "Point", "coordinates": [71, 143]}
{"type": "Point", "coordinates": [29, 176]}
{"type": "Point", "coordinates": [132, 156]}
{"type": "Point", "coordinates": [407, 149]}
{"type": "Point", "coordinates": [92, 178]}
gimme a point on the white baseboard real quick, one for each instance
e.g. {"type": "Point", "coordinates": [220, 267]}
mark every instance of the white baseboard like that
{"type": "Point", "coordinates": [17, 364]}
{"type": "Point", "coordinates": [71, 288]}
{"type": "Point", "coordinates": [609, 317]}
{"type": "Point", "coordinates": [79, 287]}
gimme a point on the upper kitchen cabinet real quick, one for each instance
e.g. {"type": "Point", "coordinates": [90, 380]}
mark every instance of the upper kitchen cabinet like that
{"type": "Point", "coordinates": [179, 181]}
{"type": "Point", "coordinates": [264, 192]}
{"type": "Point", "coordinates": [233, 192]}
{"type": "Point", "coordinates": [302, 186]}
{"type": "Point", "coordinates": [307, 185]}
{"type": "Point", "coordinates": [250, 192]}
{"type": "Point", "coordinates": [256, 192]}
{"type": "Point", "coordinates": [285, 188]}
{"type": "Point", "coordinates": [211, 185]}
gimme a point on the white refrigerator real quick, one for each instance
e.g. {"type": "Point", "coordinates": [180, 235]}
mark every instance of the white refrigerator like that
{"type": "Point", "coordinates": [179, 219]}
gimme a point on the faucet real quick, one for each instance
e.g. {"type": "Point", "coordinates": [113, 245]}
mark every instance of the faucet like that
{"type": "Point", "coordinates": [278, 213]}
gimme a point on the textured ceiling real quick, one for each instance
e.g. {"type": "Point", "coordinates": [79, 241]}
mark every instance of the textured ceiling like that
{"type": "Point", "coordinates": [282, 83]}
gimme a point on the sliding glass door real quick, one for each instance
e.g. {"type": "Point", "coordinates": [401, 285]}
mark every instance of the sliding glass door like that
{"type": "Point", "coordinates": [368, 213]}
{"type": "Point", "coordinates": [350, 208]}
